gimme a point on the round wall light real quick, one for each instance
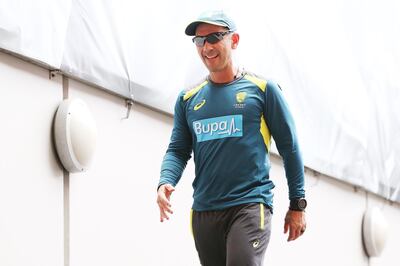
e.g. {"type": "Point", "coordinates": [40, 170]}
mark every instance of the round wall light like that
{"type": "Point", "coordinates": [375, 232]}
{"type": "Point", "coordinates": [75, 135]}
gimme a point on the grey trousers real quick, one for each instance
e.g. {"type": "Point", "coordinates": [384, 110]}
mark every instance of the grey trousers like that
{"type": "Point", "coordinates": [237, 236]}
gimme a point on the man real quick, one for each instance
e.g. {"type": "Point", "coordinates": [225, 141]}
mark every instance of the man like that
{"type": "Point", "coordinates": [227, 121]}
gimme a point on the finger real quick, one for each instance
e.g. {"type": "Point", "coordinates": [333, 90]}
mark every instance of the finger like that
{"type": "Point", "coordinates": [164, 194]}
{"type": "Point", "coordinates": [163, 215]}
{"type": "Point", "coordinates": [298, 232]}
{"type": "Point", "coordinates": [162, 199]}
{"type": "Point", "coordinates": [292, 233]}
{"type": "Point", "coordinates": [285, 227]}
{"type": "Point", "coordinates": [165, 206]}
{"type": "Point", "coordinates": [164, 203]}
{"type": "Point", "coordinates": [168, 209]}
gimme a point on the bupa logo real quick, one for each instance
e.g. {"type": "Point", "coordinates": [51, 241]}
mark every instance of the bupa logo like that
{"type": "Point", "coordinates": [218, 127]}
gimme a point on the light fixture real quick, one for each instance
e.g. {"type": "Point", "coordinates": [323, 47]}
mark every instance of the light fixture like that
{"type": "Point", "coordinates": [75, 135]}
{"type": "Point", "coordinates": [375, 232]}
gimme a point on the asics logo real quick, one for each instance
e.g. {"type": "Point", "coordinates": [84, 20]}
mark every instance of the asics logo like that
{"type": "Point", "coordinates": [199, 105]}
{"type": "Point", "coordinates": [218, 127]}
{"type": "Point", "coordinates": [256, 243]}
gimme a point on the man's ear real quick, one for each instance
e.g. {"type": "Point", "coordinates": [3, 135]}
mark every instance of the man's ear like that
{"type": "Point", "coordinates": [235, 40]}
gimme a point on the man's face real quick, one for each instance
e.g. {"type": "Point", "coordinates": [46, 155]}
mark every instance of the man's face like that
{"type": "Point", "coordinates": [218, 56]}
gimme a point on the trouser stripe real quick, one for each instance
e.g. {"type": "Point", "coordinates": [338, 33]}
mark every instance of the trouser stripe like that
{"type": "Point", "coordinates": [191, 221]}
{"type": "Point", "coordinates": [261, 216]}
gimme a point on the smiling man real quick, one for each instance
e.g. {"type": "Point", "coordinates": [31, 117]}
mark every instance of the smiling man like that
{"type": "Point", "coordinates": [227, 122]}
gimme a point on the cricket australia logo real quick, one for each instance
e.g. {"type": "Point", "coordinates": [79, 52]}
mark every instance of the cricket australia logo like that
{"type": "Point", "coordinates": [240, 97]}
{"type": "Point", "coordinates": [218, 127]}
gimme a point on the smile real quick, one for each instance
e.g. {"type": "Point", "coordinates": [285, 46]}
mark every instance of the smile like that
{"type": "Point", "coordinates": [211, 57]}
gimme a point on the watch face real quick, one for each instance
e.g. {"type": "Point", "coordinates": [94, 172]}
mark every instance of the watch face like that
{"type": "Point", "coordinates": [302, 204]}
{"type": "Point", "coordinates": [298, 204]}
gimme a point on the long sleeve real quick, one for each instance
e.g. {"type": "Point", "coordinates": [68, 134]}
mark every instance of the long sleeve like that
{"type": "Point", "coordinates": [179, 149]}
{"type": "Point", "coordinates": [281, 124]}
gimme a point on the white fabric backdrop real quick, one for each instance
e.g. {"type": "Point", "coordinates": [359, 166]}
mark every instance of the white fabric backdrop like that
{"type": "Point", "coordinates": [338, 62]}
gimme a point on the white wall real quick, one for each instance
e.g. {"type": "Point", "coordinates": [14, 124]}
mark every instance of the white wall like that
{"type": "Point", "coordinates": [114, 218]}
{"type": "Point", "coordinates": [31, 181]}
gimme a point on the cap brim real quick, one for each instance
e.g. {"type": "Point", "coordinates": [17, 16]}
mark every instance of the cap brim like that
{"type": "Point", "coordinates": [191, 28]}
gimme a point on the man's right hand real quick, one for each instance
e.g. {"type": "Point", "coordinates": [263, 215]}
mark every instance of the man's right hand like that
{"type": "Point", "coordinates": [163, 200]}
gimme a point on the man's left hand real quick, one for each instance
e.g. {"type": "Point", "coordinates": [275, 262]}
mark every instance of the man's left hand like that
{"type": "Point", "coordinates": [295, 223]}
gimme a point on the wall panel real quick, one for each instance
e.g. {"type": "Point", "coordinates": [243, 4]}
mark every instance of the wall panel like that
{"type": "Point", "coordinates": [31, 179]}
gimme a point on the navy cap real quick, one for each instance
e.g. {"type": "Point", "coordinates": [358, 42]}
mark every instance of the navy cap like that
{"type": "Point", "coordinates": [218, 18]}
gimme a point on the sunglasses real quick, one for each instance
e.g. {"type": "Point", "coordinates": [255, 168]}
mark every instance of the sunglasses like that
{"type": "Point", "coordinates": [211, 38]}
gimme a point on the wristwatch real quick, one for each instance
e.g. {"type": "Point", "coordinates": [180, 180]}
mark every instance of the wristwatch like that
{"type": "Point", "coordinates": [298, 204]}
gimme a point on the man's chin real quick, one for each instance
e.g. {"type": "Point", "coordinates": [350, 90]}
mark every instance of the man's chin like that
{"type": "Point", "coordinates": [212, 68]}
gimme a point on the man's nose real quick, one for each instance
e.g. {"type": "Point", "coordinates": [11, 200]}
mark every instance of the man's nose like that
{"type": "Point", "coordinates": [207, 46]}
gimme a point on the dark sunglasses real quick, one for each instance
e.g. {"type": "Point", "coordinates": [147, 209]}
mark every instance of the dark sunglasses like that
{"type": "Point", "coordinates": [211, 38]}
